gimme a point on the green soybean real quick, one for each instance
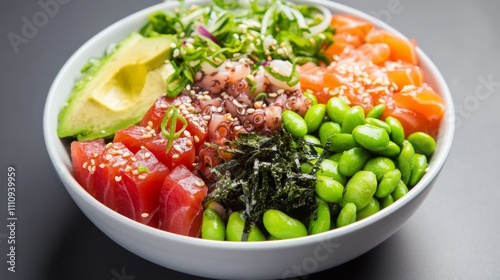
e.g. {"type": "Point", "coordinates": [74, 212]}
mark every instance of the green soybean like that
{"type": "Point", "coordinates": [347, 215]}
{"type": "Point", "coordinates": [329, 189]}
{"type": "Point", "coordinates": [400, 191]}
{"type": "Point", "coordinates": [371, 137]}
{"type": "Point", "coordinates": [391, 151]}
{"type": "Point", "coordinates": [330, 169]}
{"type": "Point", "coordinates": [342, 142]}
{"type": "Point", "coordinates": [388, 183]}
{"type": "Point", "coordinates": [418, 168]}
{"type": "Point", "coordinates": [376, 111]}
{"type": "Point", "coordinates": [378, 123]}
{"type": "Point", "coordinates": [336, 157]}
{"type": "Point", "coordinates": [315, 141]}
{"type": "Point", "coordinates": [314, 117]}
{"type": "Point", "coordinates": [294, 123]}
{"type": "Point", "coordinates": [311, 96]}
{"type": "Point", "coordinates": [397, 131]}
{"type": "Point", "coordinates": [370, 209]}
{"type": "Point", "coordinates": [423, 143]}
{"type": "Point", "coordinates": [327, 130]}
{"type": "Point", "coordinates": [354, 117]}
{"type": "Point", "coordinates": [379, 166]}
{"type": "Point", "coordinates": [321, 220]}
{"type": "Point", "coordinates": [386, 201]}
{"type": "Point", "coordinates": [282, 226]}
{"type": "Point", "coordinates": [405, 161]}
{"type": "Point", "coordinates": [336, 109]}
{"type": "Point", "coordinates": [353, 161]}
{"type": "Point", "coordinates": [360, 188]}
{"type": "Point", "coordinates": [235, 226]}
{"type": "Point", "coordinates": [212, 226]}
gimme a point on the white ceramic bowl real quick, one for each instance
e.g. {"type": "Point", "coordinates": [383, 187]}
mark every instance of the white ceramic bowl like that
{"type": "Point", "coordinates": [234, 260]}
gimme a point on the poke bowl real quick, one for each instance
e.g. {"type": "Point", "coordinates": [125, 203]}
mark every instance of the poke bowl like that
{"type": "Point", "coordinates": [150, 235]}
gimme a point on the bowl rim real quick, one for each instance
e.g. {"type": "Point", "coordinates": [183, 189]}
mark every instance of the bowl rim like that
{"type": "Point", "coordinates": [60, 158]}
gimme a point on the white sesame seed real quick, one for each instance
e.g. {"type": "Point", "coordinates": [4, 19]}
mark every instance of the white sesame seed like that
{"type": "Point", "coordinates": [189, 143]}
{"type": "Point", "coordinates": [206, 117]}
{"type": "Point", "coordinates": [250, 110]}
{"type": "Point", "coordinates": [178, 148]}
{"type": "Point", "coordinates": [144, 215]}
{"type": "Point", "coordinates": [108, 157]}
{"type": "Point", "coordinates": [176, 53]}
{"type": "Point", "coordinates": [118, 178]}
{"type": "Point", "coordinates": [102, 165]}
{"type": "Point", "coordinates": [147, 155]}
{"type": "Point", "coordinates": [84, 165]}
{"type": "Point", "coordinates": [175, 156]}
{"type": "Point", "coordinates": [133, 159]}
{"type": "Point", "coordinates": [196, 139]}
{"type": "Point", "coordinates": [109, 145]}
{"type": "Point", "coordinates": [128, 168]}
{"type": "Point", "coordinates": [135, 171]}
{"type": "Point", "coordinates": [141, 177]}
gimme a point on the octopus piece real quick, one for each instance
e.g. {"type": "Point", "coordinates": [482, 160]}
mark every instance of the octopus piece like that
{"type": "Point", "coordinates": [217, 80]}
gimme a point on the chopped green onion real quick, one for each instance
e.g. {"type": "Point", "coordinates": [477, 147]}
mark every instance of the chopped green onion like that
{"type": "Point", "coordinates": [170, 119]}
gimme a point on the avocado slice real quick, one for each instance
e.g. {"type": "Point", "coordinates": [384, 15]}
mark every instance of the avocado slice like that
{"type": "Point", "coordinates": [116, 91]}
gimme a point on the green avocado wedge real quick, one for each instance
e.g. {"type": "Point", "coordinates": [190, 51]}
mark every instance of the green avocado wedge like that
{"type": "Point", "coordinates": [117, 90]}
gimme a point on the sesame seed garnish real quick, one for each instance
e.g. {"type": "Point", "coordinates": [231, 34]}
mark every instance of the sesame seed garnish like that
{"type": "Point", "coordinates": [163, 106]}
{"type": "Point", "coordinates": [128, 168]}
{"type": "Point", "coordinates": [126, 154]}
{"type": "Point", "coordinates": [141, 177]}
{"type": "Point", "coordinates": [133, 159]}
{"type": "Point", "coordinates": [189, 143]}
{"type": "Point", "coordinates": [95, 155]}
{"type": "Point", "coordinates": [109, 145]}
{"type": "Point", "coordinates": [144, 215]}
{"type": "Point", "coordinates": [122, 163]}
{"type": "Point", "coordinates": [162, 141]}
{"type": "Point", "coordinates": [207, 117]}
{"type": "Point", "coordinates": [175, 156]}
{"type": "Point", "coordinates": [199, 183]}
{"type": "Point", "coordinates": [173, 45]}
{"type": "Point", "coordinates": [102, 165]}
{"type": "Point", "coordinates": [147, 155]}
{"type": "Point", "coordinates": [178, 148]}
{"type": "Point", "coordinates": [196, 139]}
{"type": "Point", "coordinates": [108, 157]}
{"type": "Point", "coordinates": [187, 133]}
{"type": "Point", "coordinates": [135, 171]}
{"type": "Point", "coordinates": [118, 178]}
{"type": "Point", "coordinates": [84, 165]}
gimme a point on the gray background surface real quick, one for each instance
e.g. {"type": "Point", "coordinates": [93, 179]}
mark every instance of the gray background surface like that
{"type": "Point", "coordinates": [454, 235]}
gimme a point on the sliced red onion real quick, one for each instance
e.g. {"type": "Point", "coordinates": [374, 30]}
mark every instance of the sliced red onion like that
{"type": "Point", "coordinates": [204, 32]}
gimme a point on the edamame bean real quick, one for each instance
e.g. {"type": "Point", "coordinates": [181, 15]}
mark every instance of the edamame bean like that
{"type": "Point", "coordinates": [388, 183]}
{"type": "Point", "coordinates": [315, 141]}
{"type": "Point", "coordinates": [423, 143]}
{"type": "Point", "coordinates": [379, 166]}
{"type": "Point", "coordinates": [386, 201]}
{"type": "Point", "coordinates": [336, 157]}
{"type": "Point", "coordinates": [347, 215]}
{"type": "Point", "coordinates": [418, 168]}
{"type": "Point", "coordinates": [294, 123]}
{"type": "Point", "coordinates": [314, 117]}
{"type": "Point", "coordinates": [361, 188]}
{"type": "Point", "coordinates": [354, 117]}
{"type": "Point", "coordinates": [397, 131]}
{"type": "Point", "coordinates": [336, 108]}
{"type": "Point", "coordinates": [342, 142]}
{"type": "Point", "coordinates": [320, 222]}
{"type": "Point", "coordinates": [235, 226]}
{"type": "Point", "coordinates": [376, 111]}
{"type": "Point", "coordinates": [391, 151]}
{"type": "Point", "coordinates": [378, 123]}
{"type": "Point", "coordinates": [328, 189]}
{"type": "Point", "coordinates": [310, 96]}
{"type": "Point", "coordinates": [370, 209]}
{"type": "Point", "coordinates": [400, 191]}
{"type": "Point", "coordinates": [405, 161]}
{"type": "Point", "coordinates": [371, 137]}
{"type": "Point", "coordinates": [330, 169]}
{"type": "Point", "coordinates": [327, 130]}
{"type": "Point", "coordinates": [353, 161]}
{"type": "Point", "coordinates": [212, 226]}
{"type": "Point", "coordinates": [282, 226]}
